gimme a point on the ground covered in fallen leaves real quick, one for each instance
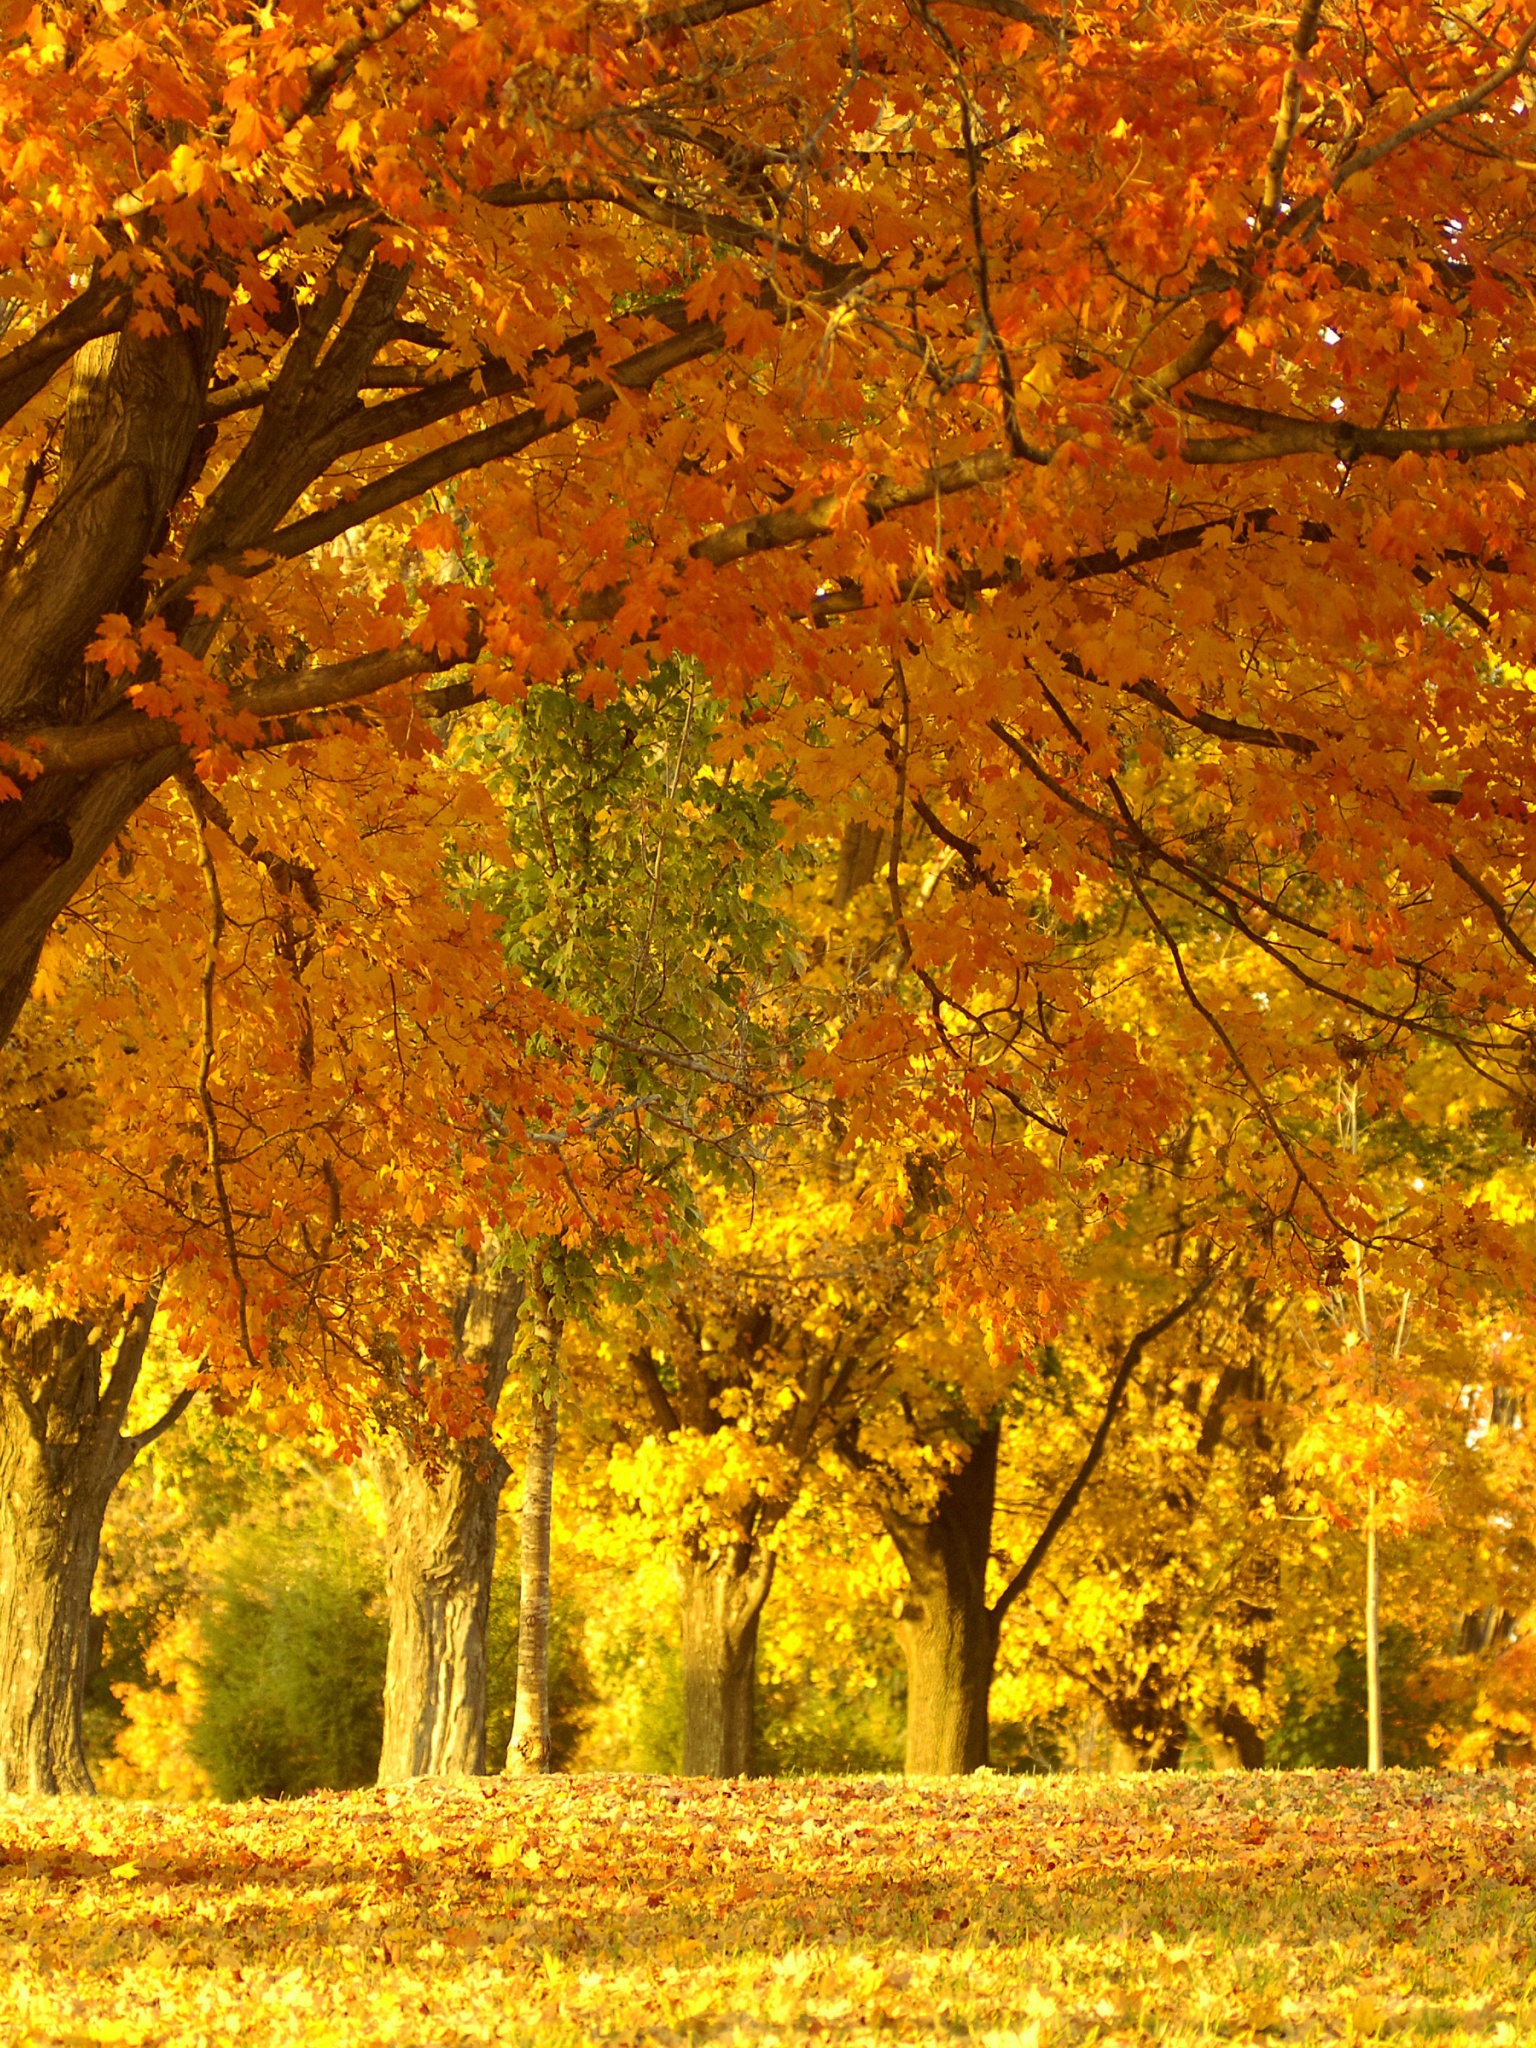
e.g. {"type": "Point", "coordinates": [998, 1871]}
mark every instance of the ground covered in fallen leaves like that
{"type": "Point", "coordinates": [633, 1910]}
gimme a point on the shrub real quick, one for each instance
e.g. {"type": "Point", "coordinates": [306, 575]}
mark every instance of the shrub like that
{"type": "Point", "coordinates": [1330, 1733]}
{"type": "Point", "coordinates": [291, 1672]}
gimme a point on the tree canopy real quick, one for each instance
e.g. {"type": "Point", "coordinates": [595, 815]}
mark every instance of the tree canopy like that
{"type": "Point", "coordinates": [1093, 444]}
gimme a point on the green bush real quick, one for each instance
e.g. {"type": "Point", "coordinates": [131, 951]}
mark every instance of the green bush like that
{"type": "Point", "coordinates": [820, 1728]}
{"type": "Point", "coordinates": [292, 1673]}
{"type": "Point", "coordinates": [1330, 1734]}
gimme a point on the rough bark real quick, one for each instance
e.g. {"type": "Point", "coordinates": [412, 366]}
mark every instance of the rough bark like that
{"type": "Point", "coordinates": [722, 1600]}
{"type": "Point", "coordinates": [130, 445]}
{"type": "Point", "coordinates": [136, 437]}
{"type": "Point", "coordinates": [441, 1516]}
{"type": "Point", "coordinates": [948, 1634]}
{"type": "Point", "coordinates": [62, 1452]}
{"type": "Point", "coordinates": [530, 1752]}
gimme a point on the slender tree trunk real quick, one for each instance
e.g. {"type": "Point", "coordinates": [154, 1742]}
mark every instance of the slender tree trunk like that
{"type": "Point", "coordinates": [722, 1601]}
{"type": "Point", "coordinates": [1372, 1639]}
{"type": "Point", "coordinates": [947, 1633]}
{"type": "Point", "coordinates": [441, 1516]}
{"type": "Point", "coordinates": [530, 1752]}
{"type": "Point", "coordinates": [62, 1452]}
{"type": "Point", "coordinates": [1235, 1734]}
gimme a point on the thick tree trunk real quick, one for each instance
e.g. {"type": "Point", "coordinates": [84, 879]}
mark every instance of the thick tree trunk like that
{"type": "Point", "coordinates": [442, 1545]}
{"type": "Point", "coordinates": [722, 1600]}
{"type": "Point", "coordinates": [530, 1752]}
{"type": "Point", "coordinates": [442, 1542]}
{"type": "Point", "coordinates": [136, 436]}
{"type": "Point", "coordinates": [130, 442]}
{"type": "Point", "coordinates": [949, 1637]}
{"type": "Point", "coordinates": [62, 1452]}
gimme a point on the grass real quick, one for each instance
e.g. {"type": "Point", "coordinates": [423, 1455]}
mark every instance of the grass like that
{"type": "Point", "coordinates": [1018, 1913]}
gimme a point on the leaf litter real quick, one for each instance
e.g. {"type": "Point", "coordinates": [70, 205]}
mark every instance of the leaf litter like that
{"type": "Point", "coordinates": [1017, 1913]}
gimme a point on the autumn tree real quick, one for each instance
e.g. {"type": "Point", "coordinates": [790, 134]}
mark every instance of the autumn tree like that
{"type": "Point", "coordinates": [281, 1193]}
{"type": "Point", "coordinates": [1170, 551]}
{"type": "Point", "coordinates": [765, 1340]}
{"type": "Point", "coordinates": [1097, 445]}
{"type": "Point", "coordinates": [1162, 1605]}
{"type": "Point", "coordinates": [637, 883]}
{"type": "Point", "coordinates": [927, 1464]}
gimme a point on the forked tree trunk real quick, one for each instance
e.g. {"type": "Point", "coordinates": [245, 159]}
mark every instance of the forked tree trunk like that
{"type": "Point", "coordinates": [722, 1600]}
{"type": "Point", "coordinates": [131, 441]}
{"type": "Point", "coordinates": [947, 1632]}
{"type": "Point", "coordinates": [62, 1452]}
{"type": "Point", "coordinates": [442, 1553]}
{"type": "Point", "coordinates": [530, 1752]}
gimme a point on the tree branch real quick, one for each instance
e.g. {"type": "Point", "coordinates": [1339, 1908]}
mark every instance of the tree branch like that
{"type": "Point", "coordinates": [1062, 1512]}
{"type": "Point", "coordinates": [1436, 117]}
{"type": "Point", "coordinates": [769, 531]}
{"type": "Point", "coordinates": [24, 370]}
{"type": "Point", "coordinates": [129, 1362]}
{"type": "Point", "coordinates": [143, 1438]}
{"type": "Point", "coordinates": [1349, 443]}
{"type": "Point", "coordinates": [490, 444]}
{"type": "Point", "coordinates": [1290, 112]}
{"type": "Point", "coordinates": [650, 1381]}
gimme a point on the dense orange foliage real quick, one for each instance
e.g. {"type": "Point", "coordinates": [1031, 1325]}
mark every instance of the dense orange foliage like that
{"type": "Point", "coordinates": [1091, 448]}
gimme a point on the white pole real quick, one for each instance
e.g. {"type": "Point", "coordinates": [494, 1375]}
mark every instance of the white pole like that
{"type": "Point", "coordinates": [1372, 1646]}
{"type": "Point", "coordinates": [1373, 1581]}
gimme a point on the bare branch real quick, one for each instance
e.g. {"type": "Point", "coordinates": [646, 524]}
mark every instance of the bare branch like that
{"type": "Point", "coordinates": [143, 1438]}
{"type": "Point", "coordinates": [1118, 1386]}
{"type": "Point", "coordinates": [1349, 443]}
{"type": "Point", "coordinates": [1290, 111]}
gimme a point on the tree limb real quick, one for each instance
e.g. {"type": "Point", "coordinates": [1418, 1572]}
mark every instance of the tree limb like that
{"type": "Point", "coordinates": [143, 1438]}
{"type": "Point", "coordinates": [1290, 111]}
{"type": "Point", "coordinates": [1062, 1512]}
{"type": "Point", "coordinates": [650, 1380]}
{"type": "Point", "coordinates": [24, 370]}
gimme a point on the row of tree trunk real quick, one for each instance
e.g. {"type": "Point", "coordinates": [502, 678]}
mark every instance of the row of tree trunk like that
{"type": "Point", "coordinates": [63, 1450]}
{"type": "Point", "coordinates": [64, 1396]}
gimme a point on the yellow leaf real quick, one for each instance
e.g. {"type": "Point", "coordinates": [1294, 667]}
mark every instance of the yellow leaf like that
{"type": "Point", "coordinates": [1365, 2015]}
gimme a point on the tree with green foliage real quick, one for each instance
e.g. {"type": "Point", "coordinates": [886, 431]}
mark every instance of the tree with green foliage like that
{"type": "Point", "coordinates": [643, 858]}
